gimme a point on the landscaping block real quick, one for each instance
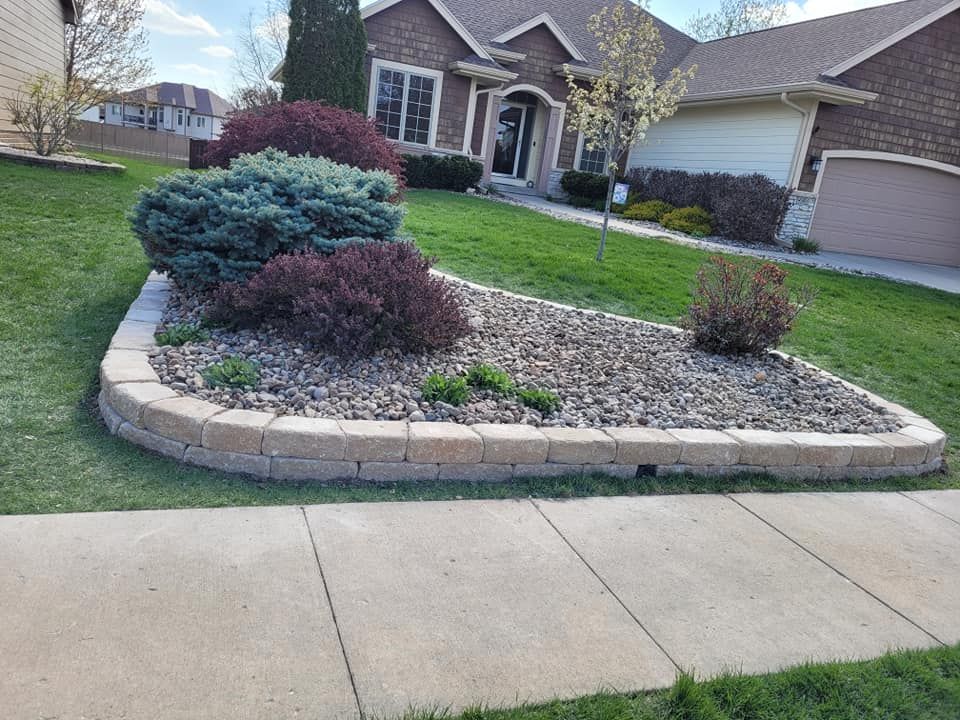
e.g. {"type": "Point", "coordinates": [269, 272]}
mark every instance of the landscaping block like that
{"type": "Point", "coordinates": [793, 472]}
{"type": "Point", "coordinates": [869, 451]}
{"type": "Point", "coordinates": [475, 472]}
{"type": "Point", "coordinates": [397, 471]}
{"type": "Point", "coordinates": [370, 441]}
{"type": "Point", "coordinates": [712, 471]}
{"type": "Point", "coordinates": [547, 470]}
{"type": "Point", "coordinates": [579, 446]}
{"type": "Point", "coordinates": [152, 441]}
{"type": "Point", "coordinates": [111, 418]}
{"type": "Point", "coordinates": [644, 446]}
{"type": "Point", "coordinates": [180, 418]}
{"type": "Point", "coordinates": [130, 399]}
{"type": "Point", "coordinates": [765, 447]}
{"type": "Point", "coordinates": [134, 335]}
{"type": "Point", "coordinates": [613, 470]}
{"type": "Point", "coordinates": [933, 439]}
{"type": "Point", "coordinates": [231, 462]}
{"type": "Point", "coordinates": [122, 366]}
{"type": "Point", "coordinates": [298, 469]}
{"type": "Point", "coordinates": [303, 437]}
{"type": "Point", "coordinates": [441, 442]}
{"type": "Point", "coordinates": [141, 314]}
{"type": "Point", "coordinates": [907, 450]}
{"type": "Point", "coordinates": [238, 431]}
{"type": "Point", "coordinates": [821, 449]}
{"type": "Point", "coordinates": [515, 444]}
{"type": "Point", "coordinates": [706, 447]}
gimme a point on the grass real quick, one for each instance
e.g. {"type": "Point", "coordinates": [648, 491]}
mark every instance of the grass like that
{"type": "Point", "coordinates": [69, 268]}
{"type": "Point", "coordinates": [910, 685]}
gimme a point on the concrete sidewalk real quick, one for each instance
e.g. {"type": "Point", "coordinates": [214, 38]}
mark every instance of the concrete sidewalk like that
{"type": "Point", "coordinates": [324, 611]}
{"type": "Point", "coordinates": [939, 277]}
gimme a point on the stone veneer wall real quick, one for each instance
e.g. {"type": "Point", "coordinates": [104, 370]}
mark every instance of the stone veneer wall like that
{"type": "Point", "coordinates": [799, 216]}
{"type": "Point", "coordinates": [137, 407]}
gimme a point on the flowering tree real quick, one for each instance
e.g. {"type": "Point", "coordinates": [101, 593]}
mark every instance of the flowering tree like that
{"type": "Point", "coordinates": [616, 108]}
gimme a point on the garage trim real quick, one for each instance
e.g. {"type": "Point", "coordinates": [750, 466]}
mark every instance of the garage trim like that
{"type": "Point", "coordinates": [883, 156]}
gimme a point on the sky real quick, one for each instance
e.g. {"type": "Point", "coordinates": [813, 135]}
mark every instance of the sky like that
{"type": "Point", "coordinates": [193, 41]}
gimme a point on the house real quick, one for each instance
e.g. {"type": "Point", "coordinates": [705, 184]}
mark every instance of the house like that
{"type": "Point", "coordinates": [858, 113]}
{"type": "Point", "coordinates": [171, 107]}
{"type": "Point", "coordinates": [31, 43]}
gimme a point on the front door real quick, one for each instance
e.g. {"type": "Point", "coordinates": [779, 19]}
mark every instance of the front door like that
{"type": "Point", "coordinates": [510, 126]}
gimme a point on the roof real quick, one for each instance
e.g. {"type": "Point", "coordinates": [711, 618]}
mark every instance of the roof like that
{"type": "Point", "coordinates": [200, 100]}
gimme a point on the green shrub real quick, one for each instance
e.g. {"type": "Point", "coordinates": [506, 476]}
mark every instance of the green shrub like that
{"type": "Point", "coordinates": [579, 201]}
{"type": "Point", "coordinates": [180, 334]}
{"type": "Point", "coordinates": [591, 186]}
{"type": "Point", "coordinates": [234, 372]}
{"type": "Point", "coordinates": [487, 377]}
{"type": "Point", "coordinates": [542, 400]}
{"type": "Point", "coordinates": [805, 245]}
{"type": "Point", "coordinates": [223, 225]}
{"type": "Point", "coordinates": [453, 391]}
{"type": "Point", "coordinates": [691, 220]}
{"type": "Point", "coordinates": [649, 210]}
{"type": "Point", "coordinates": [442, 172]}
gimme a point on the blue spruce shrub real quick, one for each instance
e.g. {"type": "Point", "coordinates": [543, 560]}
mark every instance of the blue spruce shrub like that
{"type": "Point", "coordinates": [222, 225]}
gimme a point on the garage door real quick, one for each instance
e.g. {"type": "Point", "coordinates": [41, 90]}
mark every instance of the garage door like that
{"type": "Point", "coordinates": [888, 209]}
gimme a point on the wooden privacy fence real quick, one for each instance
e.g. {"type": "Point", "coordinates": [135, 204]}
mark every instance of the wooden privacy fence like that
{"type": "Point", "coordinates": [155, 145]}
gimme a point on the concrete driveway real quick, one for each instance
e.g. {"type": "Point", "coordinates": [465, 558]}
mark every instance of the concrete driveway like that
{"type": "Point", "coordinates": [336, 610]}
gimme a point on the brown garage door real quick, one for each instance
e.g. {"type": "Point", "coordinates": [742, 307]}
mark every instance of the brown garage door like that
{"type": "Point", "coordinates": [888, 209]}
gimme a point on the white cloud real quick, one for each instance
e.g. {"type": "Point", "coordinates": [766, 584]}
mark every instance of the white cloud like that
{"type": "Point", "coordinates": [797, 11]}
{"type": "Point", "coordinates": [163, 17]}
{"type": "Point", "coordinates": [217, 51]}
{"type": "Point", "coordinates": [274, 26]}
{"type": "Point", "coordinates": [195, 69]}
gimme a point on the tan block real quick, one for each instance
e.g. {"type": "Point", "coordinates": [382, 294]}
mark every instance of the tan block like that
{"type": "Point", "coordinates": [152, 441]}
{"type": "Point", "coordinates": [579, 446]}
{"type": "Point", "coordinates": [514, 444]}
{"type": "Point", "coordinates": [906, 450]}
{"type": "Point", "coordinates": [112, 419]}
{"type": "Point", "coordinates": [303, 437]}
{"type": "Point", "coordinates": [476, 472]}
{"type": "Point", "coordinates": [548, 470]}
{"type": "Point", "coordinates": [130, 399]}
{"type": "Point", "coordinates": [230, 462]}
{"type": "Point", "coordinates": [397, 472]}
{"type": "Point", "coordinates": [375, 441]}
{"type": "Point", "coordinates": [299, 469]}
{"type": "Point", "coordinates": [869, 451]}
{"type": "Point", "coordinates": [644, 446]}
{"type": "Point", "coordinates": [443, 442]}
{"type": "Point", "coordinates": [134, 335]}
{"type": "Point", "coordinates": [765, 447]}
{"type": "Point", "coordinates": [122, 366]}
{"type": "Point", "coordinates": [935, 440]}
{"type": "Point", "coordinates": [239, 431]}
{"type": "Point", "coordinates": [821, 449]}
{"type": "Point", "coordinates": [180, 418]}
{"type": "Point", "coordinates": [706, 447]}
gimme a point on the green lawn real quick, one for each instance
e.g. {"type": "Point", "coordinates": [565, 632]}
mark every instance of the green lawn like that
{"type": "Point", "coordinates": [901, 686]}
{"type": "Point", "coordinates": [69, 267]}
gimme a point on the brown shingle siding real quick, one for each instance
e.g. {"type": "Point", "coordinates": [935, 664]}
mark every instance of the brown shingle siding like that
{"type": "Point", "coordinates": [918, 111]}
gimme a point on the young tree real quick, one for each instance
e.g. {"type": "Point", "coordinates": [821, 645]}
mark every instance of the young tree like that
{"type": "Point", "coordinates": [736, 17]}
{"type": "Point", "coordinates": [325, 53]}
{"type": "Point", "coordinates": [260, 48]}
{"type": "Point", "coordinates": [615, 109]}
{"type": "Point", "coordinates": [38, 110]}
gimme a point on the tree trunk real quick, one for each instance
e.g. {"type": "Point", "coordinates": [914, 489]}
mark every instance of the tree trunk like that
{"type": "Point", "coordinates": [606, 216]}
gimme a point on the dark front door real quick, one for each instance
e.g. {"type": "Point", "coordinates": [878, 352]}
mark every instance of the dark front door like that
{"type": "Point", "coordinates": [510, 126]}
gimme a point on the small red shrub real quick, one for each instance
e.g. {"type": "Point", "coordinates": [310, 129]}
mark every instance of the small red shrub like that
{"type": "Point", "coordinates": [742, 308]}
{"type": "Point", "coordinates": [306, 126]}
{"type": "Point", "coordinates": [360, 299]}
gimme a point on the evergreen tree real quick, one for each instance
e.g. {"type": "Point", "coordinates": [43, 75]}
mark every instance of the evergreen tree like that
{"type": "Point", "coordinates": [326, 53]}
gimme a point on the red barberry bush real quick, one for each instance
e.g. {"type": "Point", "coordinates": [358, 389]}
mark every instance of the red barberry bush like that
{"type": "Point", "coordinates": [742, 308]}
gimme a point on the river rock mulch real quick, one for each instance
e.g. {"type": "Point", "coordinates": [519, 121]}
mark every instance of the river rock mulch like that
{"type": "Point", "coordinates": [607, 371]}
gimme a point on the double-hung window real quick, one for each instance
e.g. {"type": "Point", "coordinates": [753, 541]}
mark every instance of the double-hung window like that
{"type": "Point", "coordinates": [405, 100]}
{"type": "Point", "coordinates": [594, 161]}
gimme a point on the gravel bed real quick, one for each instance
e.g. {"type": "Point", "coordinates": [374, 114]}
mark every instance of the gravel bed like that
{"type": "Point", "coordinates": [607, 371]}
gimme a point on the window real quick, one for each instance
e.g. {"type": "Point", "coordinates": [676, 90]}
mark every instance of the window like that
{"type": "Point", "coordinates": [114, 109]}
{"type": "Point", "coordinates": [201, 122]}
{"type": "Point", "coordinates": [179, 117]}
{"type": "Point", "coordinates": [405, 101]}
{"type": "Point", "coordinates": [160, 115]}
{"type": "Point", "coordinates": [594, 161]}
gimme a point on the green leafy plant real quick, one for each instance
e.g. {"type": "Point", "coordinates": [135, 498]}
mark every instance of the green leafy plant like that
{"type": "Point", "coordinates": [543, 401]}
{"type": "Point", "coordinates": [182, 333]}
{"type": "Point", "coordinates": [805, 245]}
{"type": "Point", "coordinates": [487, 377]}
{"type": "Point", "coordinates": [453, 391]}
{"type": "Point", "coordinates": [691, 220]}
{"type": "Point", "coordinates": [649, 210]}
{"type": "Point", "coordinates": [447, 172]}
{"type": "Point", "coordinates": [234, 372]}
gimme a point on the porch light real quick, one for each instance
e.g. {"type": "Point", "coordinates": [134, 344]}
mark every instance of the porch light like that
{"type": "Point", "coordinates": [815, 163]}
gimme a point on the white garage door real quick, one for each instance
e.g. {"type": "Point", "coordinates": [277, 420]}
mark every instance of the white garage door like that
{"type": "Point", "coordinates": [888, 209]}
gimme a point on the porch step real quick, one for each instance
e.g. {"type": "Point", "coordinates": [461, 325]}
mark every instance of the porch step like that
{"type": "Point", "coordinates": [508, 189]}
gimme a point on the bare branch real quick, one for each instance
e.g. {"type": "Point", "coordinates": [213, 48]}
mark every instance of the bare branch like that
{"type": "Point", "coordinates": [736, 17]}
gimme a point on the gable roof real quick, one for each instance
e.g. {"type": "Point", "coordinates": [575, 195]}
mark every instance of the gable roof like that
{"type": "Point", "coordinates": [551, 25]}
{"type": "Point", "coordinates": [200, 100]}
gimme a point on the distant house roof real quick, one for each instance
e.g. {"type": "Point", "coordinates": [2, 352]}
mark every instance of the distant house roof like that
{"type": "Point", "coordinates": [200, 100]}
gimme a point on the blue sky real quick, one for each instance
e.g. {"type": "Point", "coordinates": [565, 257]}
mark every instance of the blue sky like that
{"type": "Point", "coordinates": [193, 41]}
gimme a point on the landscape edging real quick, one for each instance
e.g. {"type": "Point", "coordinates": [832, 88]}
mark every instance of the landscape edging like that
{"type": "Point", "coordinates": [136, 406]}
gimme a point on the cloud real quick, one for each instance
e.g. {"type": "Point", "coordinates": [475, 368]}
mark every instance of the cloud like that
{"type": "Point", "coordinates": [275, 25]}
{"type": "Point", "coordinates": [195, 69]}
{"type": "Point", "coordinates": [217, 51]}
{"type": "Point", "coordinates": [162, 17]}
{"type": "Point", "coordinates": [797, 11]}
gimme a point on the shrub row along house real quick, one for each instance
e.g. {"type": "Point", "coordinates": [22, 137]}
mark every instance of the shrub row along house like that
{"type": "Point", "coordinates": [858, 113]}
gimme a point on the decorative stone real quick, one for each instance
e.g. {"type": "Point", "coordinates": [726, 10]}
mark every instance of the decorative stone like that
{"type": "Point", "coordinates": [111, 418]}
{"type": "Point", "coordinates": [579, 446]}
{"type": "Point", "coordinates": [130, 399]}
{"type": "Point", "coordinates": [706, 447]}
{"type": "Point", "coordinates": [152, 441]}
{"type": "Point", "coordinates": [134, 335]}
{"type": "Point", "coordinates": [547, 470]}
{"type": "Point", "coordinates": [238, 431]}
{"type": "Point", "coordinates": [475, 472]}
{"type": "Point", "coordinates": [440, 442]}
{"type": "Point", "coordinates": [765, 447]}
{"type": "Point", "coordinates": [179, 418]}
{"type": "Point", "coordinates": [311, 438]}
{"type": "Point", "coordinates": [369, 441]}
{"type": "Point", "coordinates": [231, 462]}
{"type": "Point", "coordinates": [515, 444]}
{"type": "Point", "coordinates": [644, 446]}
{"type": "Point", "coordinates": [933, 439]}
{"type": "Point", "coordinates": [123, 366]}
{"type": "Point", "coordinates": [299, 469]}
{"type": "Point", "coordinates": [397, 472]}
{"type": "Point", "coordinates": [907, 450]}
{"type": "Point", "coordinates": [869, 451]}
{"type": "Point", "coordinates": [821, 449]}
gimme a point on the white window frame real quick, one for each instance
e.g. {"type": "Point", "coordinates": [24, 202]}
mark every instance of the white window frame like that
{"type": "Point", "coordinates": [436, 75]}
{"type": "Point", "coordinates": [180, 117]}
{"type": "Point", "coordinates": [581, 141]}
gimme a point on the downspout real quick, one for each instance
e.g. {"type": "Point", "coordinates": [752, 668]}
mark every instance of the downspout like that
{"type": "Point", "coordinates": [798, 146]}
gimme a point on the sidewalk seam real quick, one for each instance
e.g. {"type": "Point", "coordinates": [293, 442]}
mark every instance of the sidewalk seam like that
{"type": "Point", "coordinates": [606, 586]}
{"type": "Point", "coordinates": [927, 507]}
{"type": "Point", "coordinates": [333, 614]}
{"type": "Point", "coordinates": [846, 577]}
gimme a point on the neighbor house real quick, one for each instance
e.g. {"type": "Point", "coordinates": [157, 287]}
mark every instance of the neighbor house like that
{"type": "Point", "coordinates": [31, 43]}
{"type": "Point", "coordinates": [176, 108]}
{"type": "Point", "coordinates": [858, 113]}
